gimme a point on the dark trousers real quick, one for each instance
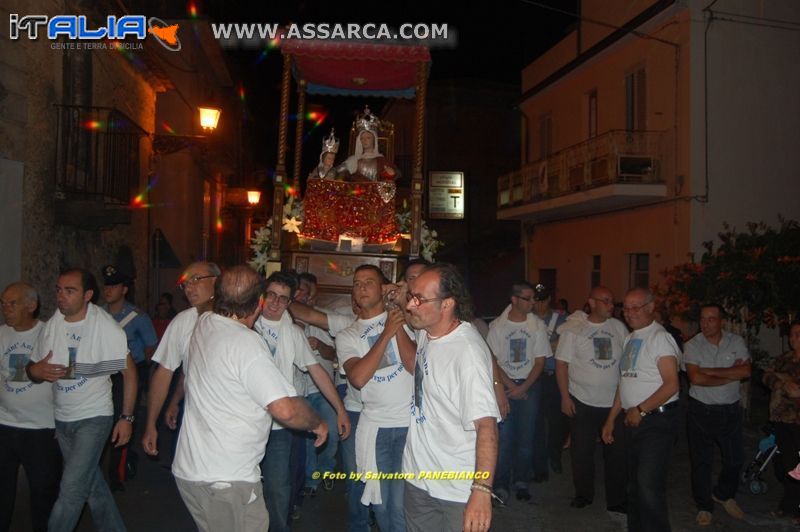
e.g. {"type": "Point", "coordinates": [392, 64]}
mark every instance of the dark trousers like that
{"type": "Point", "coordinates": [121, 457]}
{"type": "Point", "coordinates": [551, 427]}
{"type": "Point", "coordinates": [37, 451]}
{"type": "Point", "coordinates": [787, 436]}
{"type": "Point", "coordinates": [649, 452]}
{"type": "Point", "coordinates": [585, 428]}
{"type": "Point", "coordinates": [709, 426]}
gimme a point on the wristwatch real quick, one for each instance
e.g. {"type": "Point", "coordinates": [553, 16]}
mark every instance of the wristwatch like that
{"type": "Point", "coordinates": [129, 419]}
{"type": "Point", "coordinates": [641, 412]}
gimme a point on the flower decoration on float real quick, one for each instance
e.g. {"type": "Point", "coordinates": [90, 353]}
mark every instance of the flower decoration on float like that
{"type": "Point", "coordinates": [428, 238]}
{"type": "Point", "coordinates": [260, 245]}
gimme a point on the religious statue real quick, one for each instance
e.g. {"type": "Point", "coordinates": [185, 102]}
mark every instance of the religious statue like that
{"type": "Point", "coordinates": [359, 203]}
{"type": "Point", "coordinates": [325, 169]}
{"type": "Point", "coordinates": [367, 163]}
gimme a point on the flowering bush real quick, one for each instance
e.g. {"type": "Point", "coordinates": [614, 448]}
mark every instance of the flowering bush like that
{"type": "Point", "coordinates": [753, 275]}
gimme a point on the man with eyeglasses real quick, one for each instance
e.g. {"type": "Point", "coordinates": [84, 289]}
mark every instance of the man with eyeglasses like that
{"type": "Point", "coordinates": [371, 352]}
{"type": "Point", "coordinates": [520, 342]}
{"type": "Point", "coordinates": [197, 282]}
{"type": "Point", "coordinates": [234, 391]}
{"type": "Point", "coordinates": [289, 348]}
{"type": "Point", "coordinates": [648, 394]}
{"type": "Point", "coordinates": [587, 369]}
{"type": "Point", "coordinates": [454, 410]}
{"type": "Point", "coordinates": [27, 427]}
{"type": "Point", "coordinates": [716, 361]}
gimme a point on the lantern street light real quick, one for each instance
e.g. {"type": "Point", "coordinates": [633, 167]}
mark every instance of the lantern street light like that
{"type": "Point", "coordinates": [209, 117]}
{"type": "Point", "coordinates": [253, 197]}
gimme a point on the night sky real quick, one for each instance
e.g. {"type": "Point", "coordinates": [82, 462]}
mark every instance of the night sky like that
{"type": "Point", "coordinates": [495, 40]}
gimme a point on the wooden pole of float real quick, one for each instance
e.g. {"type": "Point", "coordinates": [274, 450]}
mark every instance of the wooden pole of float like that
{"type": "Point", "coordinates": [417, 180]}
{"type": "Point", "coordinates": [298, 134]}
{"type": "Point", "coordinates": [280, 168]}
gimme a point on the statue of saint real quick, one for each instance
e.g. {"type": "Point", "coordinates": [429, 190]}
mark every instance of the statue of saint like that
{"type": "Point", "coordinates": [325, 169]}
{"type": "Point", "coordinates": [367, 163]}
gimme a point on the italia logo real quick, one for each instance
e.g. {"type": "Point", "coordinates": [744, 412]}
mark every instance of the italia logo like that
{"type": "Point", "coordinates": [76, 27]}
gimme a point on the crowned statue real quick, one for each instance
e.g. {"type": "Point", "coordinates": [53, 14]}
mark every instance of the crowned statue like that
{"type": "Point", "coordinates": [325, 169]}
{"type": "Point", "coordinates": [354, 200]}
{"type": "Point", "coordinates": [367, 163]}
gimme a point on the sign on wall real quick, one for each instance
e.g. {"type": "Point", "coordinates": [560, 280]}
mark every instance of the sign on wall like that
{"type": "Point", "coordinates": [446, 195]}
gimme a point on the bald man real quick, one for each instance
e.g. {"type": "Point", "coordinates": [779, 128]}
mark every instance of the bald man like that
{"type": "Point", "coordinates": [587, 370]}
{"type": "Point", "coordinates": [27, 427]}
{"type": "Point", "coordinates": [648, 394]}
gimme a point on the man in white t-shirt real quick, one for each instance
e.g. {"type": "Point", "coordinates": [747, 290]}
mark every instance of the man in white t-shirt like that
{"type": "Point", "coordinates": [648, 393]}
{"type": "Point", "coordinates": [370, 351]}
{"type": "Point", "coordinates": [454, 412]}
{"type": "Point", "coordinates": [233, 390]}
{"type": "Point", "coordinates": [716, 361]}
{"type": "Point", "coordinates": [197, 282]}
{"type": "Point", "coordinates": [80, 347]}
{"type": "Point", "coordinates": [27, 428]}
{"type": "Point", "coordinates": [587, 368]}
{"type": "Point", "coordinates": [520, 342]}
{"type": "Point", "coordinates": [290, 350]}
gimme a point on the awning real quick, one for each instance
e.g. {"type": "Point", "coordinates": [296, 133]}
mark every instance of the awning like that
{"type": "Point", "coordinates": [348, 68]}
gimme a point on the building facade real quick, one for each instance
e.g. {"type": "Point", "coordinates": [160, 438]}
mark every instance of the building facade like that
{"type": "Point", "coordinates": [647, 127]}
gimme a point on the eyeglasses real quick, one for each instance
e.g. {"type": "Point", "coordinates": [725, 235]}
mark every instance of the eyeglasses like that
{"type": "Point", "coordinates": [636, 308]}
{"type": "Point", "coordinates": [417, 300]}
{"type": "Point", "coordinates": [193, 280]}
{"type": "Point", "coordinates": [606, 300]}
{"type": "Point", "coordinates": [282, 300]}
{"type": "Point", "coordinates": [8, 304]}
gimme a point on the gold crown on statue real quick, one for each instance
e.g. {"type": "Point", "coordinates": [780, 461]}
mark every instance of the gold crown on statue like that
{"type": "Point", "coordinates": [330, 144]}
{"type": "Point", "coordinates": [368, 122]}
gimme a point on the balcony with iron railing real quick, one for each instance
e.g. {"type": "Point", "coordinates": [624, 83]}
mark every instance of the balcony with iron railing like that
{"type": "Point", "coordinates": [97, 165]}
{"type": "Point", "coordinates": [615, 170]}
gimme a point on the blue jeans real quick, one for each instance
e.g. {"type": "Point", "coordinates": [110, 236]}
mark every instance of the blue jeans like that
{"type": "Point", "coordinates": [321, 459]}
{"type": "Point", "coordinates": [517, 434]}
{"type": "Point", "coordinates": [82, 481]}
{"type": "Point", "coordinates": [389, 447]}
{"type": "Point", "coordinates": [276, 477]}
{"type": "Point", "coordinates": [649, 451]}
{"type": "Point", "coordinates": [709, 425]}
{"type": "Point", "coordinates": [357, 513]}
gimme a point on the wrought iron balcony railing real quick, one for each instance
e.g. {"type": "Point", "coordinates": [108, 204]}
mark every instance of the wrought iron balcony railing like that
{"type": "Point", "coordinates": [617, 156]}
{"type": "Point", "coordinates": [97, 154]}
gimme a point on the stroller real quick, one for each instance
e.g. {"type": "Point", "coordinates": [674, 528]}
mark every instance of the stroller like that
{"type": "Point", "coordinates": [767, 448]}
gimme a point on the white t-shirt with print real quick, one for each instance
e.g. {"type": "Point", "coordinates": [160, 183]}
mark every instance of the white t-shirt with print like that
{"type": "Point", "coordinates": [173, 347]}
{"type": "Point", "coordinates": [639, 375]}
{"type": "Point", "coordinates": [452, 389]}
{"type": "Point", "coordinates": [23, 404]}
{"type": "Point", "coordinates": [77, 397]}
{"type": "Point", "coordinates": [517, 343]}
{"type": "Point", "coordinates": [593, 352]}
{"type": "Point", "coordinates": [298, 355]}
{"type": "Point", "coordinates": [386, 395]}
{"type": "Point", "coordinates": [231, 378]}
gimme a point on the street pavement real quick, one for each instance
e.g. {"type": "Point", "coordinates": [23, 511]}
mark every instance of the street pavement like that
{"type": "Point", "coordinates": [150, 502]}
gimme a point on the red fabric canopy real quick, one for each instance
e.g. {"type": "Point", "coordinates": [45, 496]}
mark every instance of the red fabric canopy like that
{"type": "Point", "coordinates": [351, 67]}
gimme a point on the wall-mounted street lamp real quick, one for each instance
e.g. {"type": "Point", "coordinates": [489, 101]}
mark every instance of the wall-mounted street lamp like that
{"type": "Point", "coordinates": [165, 144]}
{"type": "Point", "coordinates": [253, 197]}
{"type": "Point", "coordinates": [209, 117]}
